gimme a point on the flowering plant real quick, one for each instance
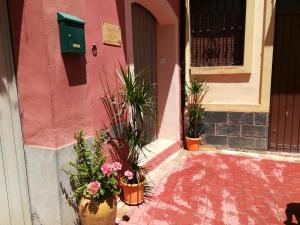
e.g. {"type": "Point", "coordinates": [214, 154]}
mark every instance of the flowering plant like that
{"type": "Point", "coordinates": [128, 176]}
{"type": "Point", "coordinates": [91, 176]}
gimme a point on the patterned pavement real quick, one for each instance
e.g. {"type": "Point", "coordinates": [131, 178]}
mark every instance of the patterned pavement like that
{"type": "Point", "coordinates": [211, 188]}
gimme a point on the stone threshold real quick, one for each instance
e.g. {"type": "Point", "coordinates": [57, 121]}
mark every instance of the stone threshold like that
{"type": "Point", "coordinates": [159, 151]}
{"type": "Point", "coordinates": [267, 155]}
{"type": "Point", "coordinates": [156, 147]}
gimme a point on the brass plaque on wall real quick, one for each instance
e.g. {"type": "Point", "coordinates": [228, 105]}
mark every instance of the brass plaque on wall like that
{"type": "Point", "coordinates": [111, 34]}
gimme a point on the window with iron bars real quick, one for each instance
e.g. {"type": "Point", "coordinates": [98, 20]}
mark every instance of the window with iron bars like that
{"type": "Point", "coordinates": [217, 32]}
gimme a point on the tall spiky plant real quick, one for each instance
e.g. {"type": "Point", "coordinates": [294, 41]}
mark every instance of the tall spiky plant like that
{"type": "Point", "coordinates": [196, 90]}
{"type": "Point", "coordinates": [138, 99]}
{"type": "Point", "coordinates": [113, 103]}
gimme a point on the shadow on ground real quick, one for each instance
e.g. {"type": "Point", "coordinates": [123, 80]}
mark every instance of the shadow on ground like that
{"type": "Point", "coordinates": [292, 209]}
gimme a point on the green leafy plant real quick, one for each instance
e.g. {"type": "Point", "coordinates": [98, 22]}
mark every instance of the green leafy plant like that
{"type": "Point", "coordinates": [196, 90]}
{"type": "Point", "coordinates": [89, 175]}
{"type": "Point", "coordinates": [113, 103]}
{"type": "Point", "coordinates": [137, 99]}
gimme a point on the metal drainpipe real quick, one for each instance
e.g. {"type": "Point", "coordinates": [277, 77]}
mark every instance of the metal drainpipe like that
{"type": "Point", "coordinates": [182, 59]}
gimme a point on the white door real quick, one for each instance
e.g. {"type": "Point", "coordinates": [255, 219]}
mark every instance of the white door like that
{"type": "Point", "coordinates": [14, 198]}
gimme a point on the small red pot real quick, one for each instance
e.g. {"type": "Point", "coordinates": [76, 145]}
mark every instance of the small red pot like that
{"type": "Point", "coordinates": [133, 193]}
{"type": "Point", "coordinates": [193, 144]}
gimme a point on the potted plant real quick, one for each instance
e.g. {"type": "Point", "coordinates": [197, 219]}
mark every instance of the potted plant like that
{"type": "Point", "coordinates": [94, 183]}
{"type": "Point", "coordinates": [196, 126]}
{"type": "Point", "coordinates": [138, 101]}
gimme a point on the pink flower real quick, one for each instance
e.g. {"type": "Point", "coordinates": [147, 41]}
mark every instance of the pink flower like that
{"type": "Point", "coordinates": [106, 169]}
{"type": "Point", "coordinates": [116, 166]}
{"type": "Point", "coordinates": [128, 174]}
{"type": "Point", "coordinates": [93, 187]}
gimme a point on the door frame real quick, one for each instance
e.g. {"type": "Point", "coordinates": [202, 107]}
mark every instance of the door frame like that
{"type": "Point", "coordinates": [168, 66]}
{"type": "Point", "coordinates": [281, 9]}
{"type": "Point", "coordinates": [13, 164]}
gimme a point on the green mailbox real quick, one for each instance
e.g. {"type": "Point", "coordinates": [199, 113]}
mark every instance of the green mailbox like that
{"type": "Point", "coordinates": [71, 30]}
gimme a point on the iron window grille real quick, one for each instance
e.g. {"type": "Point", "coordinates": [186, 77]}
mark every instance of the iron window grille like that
{"type": "Point", "coordinates": [217, 32]}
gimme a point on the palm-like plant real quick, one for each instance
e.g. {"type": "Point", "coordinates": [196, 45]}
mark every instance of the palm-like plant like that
{"type": "Point", "coordinates": [196, 90]}
{"type": "Point", "coordinates": [138, 100]}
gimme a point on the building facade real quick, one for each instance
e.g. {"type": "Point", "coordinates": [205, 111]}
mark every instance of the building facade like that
{"type": "Point", "coordinates": [59, 93]}
{"type": "Point", "coordinates": [244, 52]}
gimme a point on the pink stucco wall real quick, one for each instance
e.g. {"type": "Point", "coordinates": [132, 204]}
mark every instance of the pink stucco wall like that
{"type": "Point", "coordinates": [175, 4]}
{"type": "Point", "coordinates": [60, 94]}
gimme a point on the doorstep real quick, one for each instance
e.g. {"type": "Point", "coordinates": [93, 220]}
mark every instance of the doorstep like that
{"type": "Point", "coordinates": [158, 151]}
{"type": "Point", "coordinates": [268, 155]}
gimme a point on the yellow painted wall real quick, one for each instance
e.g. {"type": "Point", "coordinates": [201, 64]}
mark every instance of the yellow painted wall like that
{"type": "Point", "coordinates": [245, 88]}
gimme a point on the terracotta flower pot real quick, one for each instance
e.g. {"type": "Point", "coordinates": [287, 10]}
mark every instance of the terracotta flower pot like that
{"type": "Point", "coordinates": [193, 144]}
{"type": "Point", "coordinates": [98, 212]}
{"type": "Point", "coordinates": [133, 193]}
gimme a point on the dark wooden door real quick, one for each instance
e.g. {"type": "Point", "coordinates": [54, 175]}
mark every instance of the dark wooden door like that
{"type": "Point", "coordinates": [144, 27]}
{"type": "Point", "coordinates": [284, 133]}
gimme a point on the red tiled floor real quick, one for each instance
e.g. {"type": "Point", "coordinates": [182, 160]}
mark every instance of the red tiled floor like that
{"type": "Point", "coordinates": [211, 188]}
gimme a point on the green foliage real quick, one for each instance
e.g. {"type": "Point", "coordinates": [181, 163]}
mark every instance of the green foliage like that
{"type": "Point", "coordinates": [196, 91]}
{"type": "Point", "coordinates": [137, 95]}
{"type": "Point", "coordinates": [139, 102]}
{"type": "Point", "coordinates": [113, 103]}
{"type": "Point", "coordinates": [87, 168]}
